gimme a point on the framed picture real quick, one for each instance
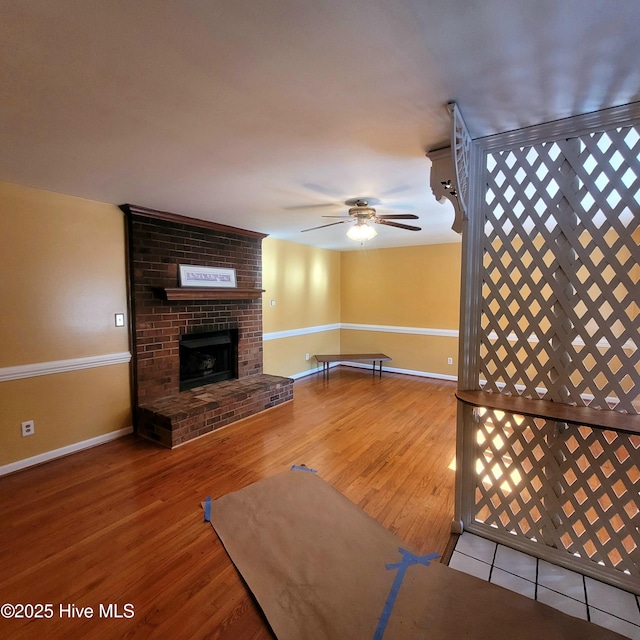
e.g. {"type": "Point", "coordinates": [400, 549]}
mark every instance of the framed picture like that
{"type": "Point", "coordinates": [194, 276]}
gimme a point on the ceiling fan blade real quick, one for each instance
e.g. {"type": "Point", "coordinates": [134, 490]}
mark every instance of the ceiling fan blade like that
{"type": "Point", "coordinates": [322, 226]}
{"type": "Point", "coordinates": [319, 188]}
{"type": "Point", "coordinates": [397, 216]}
{"type": "Point", "coordinates": [408, 227]}
{"type": "Point", "coordinates": [326, 205]}
{"type": "Point", "coordinates": [345, 217]}
{"type": "Point", "coordinates": [398, 205]}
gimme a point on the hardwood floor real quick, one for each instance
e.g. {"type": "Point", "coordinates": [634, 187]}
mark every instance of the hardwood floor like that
{"type": "Point", "coordinates": [122, 523]}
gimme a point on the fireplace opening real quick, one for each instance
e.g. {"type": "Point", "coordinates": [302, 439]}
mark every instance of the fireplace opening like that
{"type": "Point", "coordinates": [206, 358]}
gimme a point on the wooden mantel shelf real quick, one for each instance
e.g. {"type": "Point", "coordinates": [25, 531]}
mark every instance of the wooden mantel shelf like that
{"type": "Point", "coordinates": [597, 418]}
{"type": "Point", "coordinates": [212, 293]}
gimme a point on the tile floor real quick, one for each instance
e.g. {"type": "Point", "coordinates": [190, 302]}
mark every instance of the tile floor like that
{"type": "Point", "coordinates": [575, 594]}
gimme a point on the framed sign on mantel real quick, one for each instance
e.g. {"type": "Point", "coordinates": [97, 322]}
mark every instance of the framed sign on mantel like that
{"type": "Point", "coordinates": [195, 276]}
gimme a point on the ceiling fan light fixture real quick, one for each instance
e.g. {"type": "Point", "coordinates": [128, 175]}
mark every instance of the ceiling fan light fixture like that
{"type": "Point", "coordinates": [361, 232]}
{"type": "Point", "coordinates": [361, 209]}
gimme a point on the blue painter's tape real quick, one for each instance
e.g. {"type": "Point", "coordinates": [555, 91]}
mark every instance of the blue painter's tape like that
{"type": "Point", "coordinates": [297, 467]}
{"type": "Point", "coordinates": [408, 559]}
{"type": "Point", "coordinates": [207, 509]}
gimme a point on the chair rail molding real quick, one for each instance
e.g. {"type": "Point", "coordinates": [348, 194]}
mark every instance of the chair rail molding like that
{"type": "Point", "coordinates": [381, 328]}
{"type": "Point", "coordinates": [33, 370]}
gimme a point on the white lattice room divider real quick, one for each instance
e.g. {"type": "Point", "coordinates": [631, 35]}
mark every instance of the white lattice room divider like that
{"type": "Point", "coordinates": [551, 313]}
{"type": "Point", "coordinates": [560, 289]}
{"type": "Point", "coordinates": [574, 490]}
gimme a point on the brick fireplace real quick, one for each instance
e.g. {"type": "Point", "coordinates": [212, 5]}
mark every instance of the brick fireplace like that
{"type": "Point", "coordinates": [165, 315]}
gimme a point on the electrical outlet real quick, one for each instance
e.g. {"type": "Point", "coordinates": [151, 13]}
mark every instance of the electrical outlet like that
{"type": "Point", "coordinates": [306, 356]}
{"type": "Point", "coordinates": [28, 428]}
{"type": "Point", "coordinates": [449, 360]}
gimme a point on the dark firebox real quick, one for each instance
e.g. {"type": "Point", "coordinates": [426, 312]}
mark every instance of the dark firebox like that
{"type": "Point", "coordinates": [208, 357]}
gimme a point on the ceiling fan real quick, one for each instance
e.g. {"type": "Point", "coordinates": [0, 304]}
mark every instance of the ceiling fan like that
{"type": "Point", "coordinates": [361, 214]}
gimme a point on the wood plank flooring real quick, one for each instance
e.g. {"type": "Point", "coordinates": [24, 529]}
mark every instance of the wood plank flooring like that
{"type": "Point", "coordinates": [122, 523]}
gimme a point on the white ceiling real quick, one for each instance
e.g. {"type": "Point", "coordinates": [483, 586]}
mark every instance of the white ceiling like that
{"type": "Point", "coordinates": [249, 112]}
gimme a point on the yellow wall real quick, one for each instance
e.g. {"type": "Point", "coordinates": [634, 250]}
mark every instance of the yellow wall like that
{"type": "Point", "coordinates": [67, 408]}
{"type": "Point", "coordinates": [411, 353]}
{"type": "Point", "coordinates": [304, 282]}
{"type": "Point", "coordinates": [286, 356]}
{"type": "Point", "coordinates": [63, 279]}
{"type": "Point", "coordinates": [408, 287]}
{"type": "Point", "coordinates": [403, 286]}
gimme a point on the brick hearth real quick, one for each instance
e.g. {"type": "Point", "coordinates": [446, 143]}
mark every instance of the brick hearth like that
{"type": "Point", "coordinates": [174, 420]}
{"type": "Point", "coordinates": [158, 243]}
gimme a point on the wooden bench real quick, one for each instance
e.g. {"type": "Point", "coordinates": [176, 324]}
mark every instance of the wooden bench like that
{"type": "Point", "coordinates": [326, 360]}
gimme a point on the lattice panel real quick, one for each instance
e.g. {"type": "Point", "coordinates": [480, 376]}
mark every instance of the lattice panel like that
{"type": "Point", "coordinates": [575, 489]}
{"type": "Point", "coordinates": [561, 271]}
{"type": "Point", "coordinates": [461, 154]}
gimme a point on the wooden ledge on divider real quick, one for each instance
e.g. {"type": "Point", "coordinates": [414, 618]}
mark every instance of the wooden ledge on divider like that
{"type": "Point", "coordinates": [558, 411]}
{"type": "Point", "coordinates": [211, 293]}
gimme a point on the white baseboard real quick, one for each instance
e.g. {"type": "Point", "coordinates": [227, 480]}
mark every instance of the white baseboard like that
{"type": "Point", "coordinates": [362, 365]}
{"type": "Point", "coordinates": [409, 372]}
{"type": "Point", "coordinates": [303, 374]}
{"type": "Point", "coordinates": [63, 451]}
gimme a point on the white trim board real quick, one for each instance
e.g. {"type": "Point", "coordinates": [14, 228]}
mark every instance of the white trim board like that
{"type": "Point", "coordinates": [309, 372]}
{"type": "Point", "coordinates": [364, 365]}
{"type": "Point", "coordinates": [418, 331]}
{"type": "Point", "coordinates": [63, 451]}
{"type": "Point", "coordinates": [303, 331]}
{"type": "Point", "coordinates": [62, 366]}
{"type": "Point", "coordinates": [409, 372]}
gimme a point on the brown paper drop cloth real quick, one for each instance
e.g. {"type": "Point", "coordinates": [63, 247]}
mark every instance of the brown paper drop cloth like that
{"type": "Point", "coordinates": [316, 564]}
